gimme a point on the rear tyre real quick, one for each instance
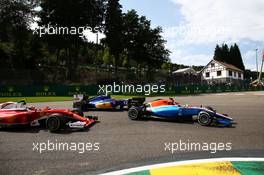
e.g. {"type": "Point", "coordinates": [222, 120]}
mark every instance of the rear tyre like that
{"type": "Point", "coordinates": [204, 119]}
{"type": "Point", "coordinates": [78, 111]}
{"type": "Point", "coordinates": [54, 123]}
{"type": "Point", "coordinates": [134, 113]}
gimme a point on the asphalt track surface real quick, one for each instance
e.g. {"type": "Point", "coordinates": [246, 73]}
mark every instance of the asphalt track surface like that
{"type": "Point", "coordinates": [125, 143]}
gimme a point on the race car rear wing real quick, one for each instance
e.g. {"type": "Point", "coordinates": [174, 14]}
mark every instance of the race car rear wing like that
{"type": "Point", "coordinates": [137, 101]}
{"type": "Point", "coordinates": [79, 99]}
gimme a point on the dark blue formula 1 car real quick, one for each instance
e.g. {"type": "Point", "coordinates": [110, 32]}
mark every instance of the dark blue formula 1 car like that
{"type": "Point", "coordinates": [104, 102]}
{"type": "Point", "coordinates": [206, 116]}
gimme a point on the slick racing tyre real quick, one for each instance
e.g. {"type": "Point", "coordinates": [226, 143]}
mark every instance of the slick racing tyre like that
{"type": "Point", "coordinates": [78, 111]}
{"type": "Point", "coordinates": [134, 113]}
{"type": "Point", "coordinates": [204, 119]}
{"type": "Point", "coordinates": [54, 123]}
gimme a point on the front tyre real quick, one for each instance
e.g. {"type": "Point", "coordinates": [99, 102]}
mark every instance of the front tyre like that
{"type": "Point", "coordinates": [204, 119]}
{"type": "Point", "coordinates": [134, 113]}
{"type": "Point", "coordinates": [54, 123]}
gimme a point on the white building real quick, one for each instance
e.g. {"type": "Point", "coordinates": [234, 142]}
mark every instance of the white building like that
{"type": "Point", "coordinates": [216, 72]}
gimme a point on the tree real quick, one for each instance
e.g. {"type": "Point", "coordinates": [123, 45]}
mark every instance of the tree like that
{"type": "Point", "coordinates": [232, 59]}
{"type": "Point", "coordinates": [225, 53]}
{"type": "Point", "coordinates": [236, 54]}
{"type": "Point", "coordinates": [124, 58]}
{"type": "Point", "coordinates": [99, 57]}
{"type": "Point", "coordinates": [130, 31]}
{"type": "Point", "coordinates": [107, 57]}
{"type": "Point", "coordinates": [150, 46]}
{"type": "Point", "coordinates": [217, 53]}
{"type": "Point", "coordinates": [70, 14]}
{"type": "Point", "coordinates": [113, 29]}
{"type": "Point", "coordinates": [231, 56]}
{"type": "Point", "coordinates": [143, 44]}
{"type": "Point", "coordinates": [14, 32]}
{"type": "Point", "coordinates": [222, 53]}
{"type": "Point", "coordinates": [166, 66]}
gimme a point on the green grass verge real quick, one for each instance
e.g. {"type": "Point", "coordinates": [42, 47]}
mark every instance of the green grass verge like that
{"type": "Point", "coordinates": [35, 99]}
{"type": "Point", "coordinates": [123, 96]}
{"type": "Point", "coordinates": [48, 99]}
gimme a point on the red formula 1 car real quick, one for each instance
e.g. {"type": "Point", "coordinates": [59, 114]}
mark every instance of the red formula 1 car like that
{"type": "Point", "coordinates": [13, 114]}
{"type": "Point", "coordinates": [9, 105]}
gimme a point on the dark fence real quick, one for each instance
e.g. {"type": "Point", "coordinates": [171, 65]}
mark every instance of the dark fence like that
{"type": "Point", "coordinates": [61, 90]}
{"type": "Point", "coordinates": [49, 90]}
{"type": "Point", "coordinates": [200, 89]}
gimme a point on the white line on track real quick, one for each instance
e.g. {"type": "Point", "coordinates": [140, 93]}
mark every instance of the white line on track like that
{"type": "Point", "coordinates": [187, 162]}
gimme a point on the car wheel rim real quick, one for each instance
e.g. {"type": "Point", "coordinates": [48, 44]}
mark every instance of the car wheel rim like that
{"type": "Point", "coordinates": [204, 119]}
{"type": "Point", "coordinates": [53, 123]}
{"type": "Point", "coordinates": [133, 114]}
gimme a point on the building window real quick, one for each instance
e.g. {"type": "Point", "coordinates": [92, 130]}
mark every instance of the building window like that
{"type": "Point", "coordinates": [235, 74]}
{"type": "Point", "coordinates": [219, 73]}
{"type": "Point", "coordinates": [212, 64]}
{"type": "Point", "coordinates": [230, 73]}
{"type": "Point", "coordinates": [207, 74]}
{"type": "Point", "coordinates": [239, 75]}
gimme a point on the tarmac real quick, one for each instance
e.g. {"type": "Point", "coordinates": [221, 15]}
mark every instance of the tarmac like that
{"type": "Point", "coordinates": [124, 143]}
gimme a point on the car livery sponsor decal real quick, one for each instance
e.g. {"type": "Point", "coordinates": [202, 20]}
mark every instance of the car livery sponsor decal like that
{"type": "Point", "coordinates": [104, 105]}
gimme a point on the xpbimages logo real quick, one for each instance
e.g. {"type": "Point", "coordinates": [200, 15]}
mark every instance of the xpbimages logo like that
{"type": "Point", "coordinates": [129, 88]}
{"type": "Point", "coordinates": [79, 147]}
{"type": "Point", "coordinates": [60, 30]}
